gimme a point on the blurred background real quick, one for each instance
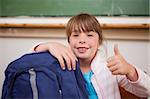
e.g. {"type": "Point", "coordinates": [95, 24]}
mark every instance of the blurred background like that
{"type": "Point", "coordinates": [24, 23]}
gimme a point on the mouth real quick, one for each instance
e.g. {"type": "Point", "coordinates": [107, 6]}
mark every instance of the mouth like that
{"type": "Point", "coordinates": [82, 49]}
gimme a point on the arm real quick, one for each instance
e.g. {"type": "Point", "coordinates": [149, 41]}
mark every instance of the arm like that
{"type": "Point", "coordinates": [61, 52]}
{"type": "Point", "coordinates": [128, 76]}
{"type": "Point", "coordinates": [140, 88]}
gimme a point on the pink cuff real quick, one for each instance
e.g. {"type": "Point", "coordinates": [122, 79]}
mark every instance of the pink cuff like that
{"type": "Point", "coordinates": [139, 76]}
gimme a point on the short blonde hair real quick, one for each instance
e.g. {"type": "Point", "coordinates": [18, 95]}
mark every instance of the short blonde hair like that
{"type": "Point", "coordinates": [84, 23]}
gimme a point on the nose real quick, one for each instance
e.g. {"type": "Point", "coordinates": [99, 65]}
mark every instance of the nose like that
{"type": "Point", "coordinates": [81, 41]}
{"type": "Point", "coordinates": [82, 38]}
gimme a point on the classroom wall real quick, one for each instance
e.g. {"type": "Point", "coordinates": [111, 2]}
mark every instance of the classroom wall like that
{"type": "Point", "coordinates": [135, 51]}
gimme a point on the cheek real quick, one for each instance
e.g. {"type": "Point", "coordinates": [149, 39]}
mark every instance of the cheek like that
{"type": "Point", "coordinates": [72, 41]}
{"type": "Point", "coordinates": [95, 45]}
{"type": "Point", "coordinates": [72, 45]}
{"type": "Point", "coordinates": [95, 42]}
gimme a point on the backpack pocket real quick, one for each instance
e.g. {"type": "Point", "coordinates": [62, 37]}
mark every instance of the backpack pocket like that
{"type": "Point", "coordinates": [35, 83]}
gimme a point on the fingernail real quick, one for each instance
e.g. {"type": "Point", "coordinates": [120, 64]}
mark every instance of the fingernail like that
{"type": "Point", "coordinates": [76, 59]}
{"type": "Point", "coordinates": [74, 68]}
{"type": "Point", "coordinates": [69, 68]}
{"type": "Point", "coordinates": [63, 68]}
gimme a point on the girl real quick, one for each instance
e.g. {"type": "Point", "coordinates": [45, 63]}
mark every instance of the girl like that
{"type": "Point", "coordinates": [102, 76]}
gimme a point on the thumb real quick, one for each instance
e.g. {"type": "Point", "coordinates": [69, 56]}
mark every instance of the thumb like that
{"type": "Point", "coordinates": [116, 49]}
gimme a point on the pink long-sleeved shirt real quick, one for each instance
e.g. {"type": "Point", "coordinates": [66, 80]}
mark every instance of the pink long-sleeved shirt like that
{"type": "Point", "coordinates": [106, 84]}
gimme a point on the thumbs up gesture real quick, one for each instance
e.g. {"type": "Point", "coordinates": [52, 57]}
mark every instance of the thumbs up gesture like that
{"type": "Point", "coordinates": [119, 66]}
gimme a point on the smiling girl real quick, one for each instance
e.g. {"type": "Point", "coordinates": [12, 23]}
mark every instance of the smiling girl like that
{"type": "Point", "coordinates": [102, 75]}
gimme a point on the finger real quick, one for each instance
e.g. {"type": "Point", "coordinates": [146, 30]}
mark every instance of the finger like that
{"type": "Point", "coordinates": [112, 63]}
{"type": "Point", "coordinates": [116, 72]}
{"type": "Point", "coordinates": [61, 61]}
{"type": "Point", "coordinates": [73, 63]}
{"type": "Point", "coordinates": [72, 54]}
{"type": "Point", "coordinates": [70, 50]}
{"type": "Point", "coordinates": [67, 60]}
{"type": "Point", "coordinates": [73, 59]}
{"type": "Point", "coordinates": [113, 68]}
{"type": "Point", "coordinates": [110, 59]}
{"type": "Point", "coordinates": [116, 49]}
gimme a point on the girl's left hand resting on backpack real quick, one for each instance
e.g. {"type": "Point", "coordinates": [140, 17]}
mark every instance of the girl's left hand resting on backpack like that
{"type": "Point", "coordinates": [61, 52]}
{"type": "Point", "coordinates": [119, 66]}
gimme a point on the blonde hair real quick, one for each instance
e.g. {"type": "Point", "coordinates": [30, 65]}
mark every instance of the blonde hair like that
{"type": "Point", "coordinates": [84, 23]}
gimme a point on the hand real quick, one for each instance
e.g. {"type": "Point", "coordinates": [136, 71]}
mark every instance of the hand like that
{"type": "Point", "coordinates": [119, 66]}
{"type": "Point", "coordinates": [61, 52]}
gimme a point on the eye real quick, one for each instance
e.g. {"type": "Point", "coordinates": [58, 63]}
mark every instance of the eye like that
{"type": "Point", "coordinates": [90, 35]}
{"type": "Point", "coordinates": [75, 35]}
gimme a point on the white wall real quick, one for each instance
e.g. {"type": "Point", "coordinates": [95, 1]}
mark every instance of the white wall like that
{"type": "Point", "coordinates": [136, 52]}
{"type": "Point", "coordinates": [148, 67]}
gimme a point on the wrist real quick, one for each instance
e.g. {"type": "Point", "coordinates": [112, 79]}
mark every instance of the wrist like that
{"type": "Point", "coordinates": [41, 47]}
{"type": "Point", "coordinates": [36, 47]}
{"type": "Point", "coordinates": [48, 46]}
{"type": "Point", "coordinates": [132, 74]}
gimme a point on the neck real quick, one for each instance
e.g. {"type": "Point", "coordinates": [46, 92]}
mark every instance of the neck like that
{"type": "Point", "coordinates": [85, 66]}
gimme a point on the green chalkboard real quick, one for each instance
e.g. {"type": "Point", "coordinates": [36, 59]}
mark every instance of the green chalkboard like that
{"type": "Point", "coordinates": [0, 7]}
{"type": "Point", "coordinates": [72, 7]}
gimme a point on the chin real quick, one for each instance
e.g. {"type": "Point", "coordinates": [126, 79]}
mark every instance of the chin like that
{"type": "Point", "coordinates": [82, 56]}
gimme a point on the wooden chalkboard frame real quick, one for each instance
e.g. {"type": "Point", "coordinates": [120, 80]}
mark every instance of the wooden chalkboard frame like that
{"type": "Point", "coordinates": [60, 22]}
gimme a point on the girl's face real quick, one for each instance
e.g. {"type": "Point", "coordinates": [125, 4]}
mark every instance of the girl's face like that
{"type": "Point", "coordinates": [84, 45]}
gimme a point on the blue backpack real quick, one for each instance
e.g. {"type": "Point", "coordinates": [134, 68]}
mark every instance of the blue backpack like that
{"type": "Point", "coordinates": [39, 76]}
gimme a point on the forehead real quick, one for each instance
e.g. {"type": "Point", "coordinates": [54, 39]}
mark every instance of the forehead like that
{"type": "Point", "coordinates": [82, 32]}
{"type": "Point", "coordinates": [82, 27]}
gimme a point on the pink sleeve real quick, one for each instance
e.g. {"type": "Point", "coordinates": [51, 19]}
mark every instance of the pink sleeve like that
{"type": "Point", "coordinates": [140, 88]}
